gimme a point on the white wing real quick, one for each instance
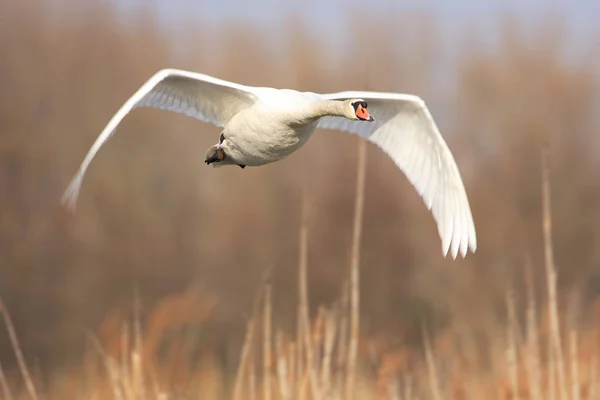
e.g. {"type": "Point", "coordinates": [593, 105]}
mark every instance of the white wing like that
{"type": "Point", "coordinates": [196, 95]}
{"type": "Point", "coordinates": [405, 130]}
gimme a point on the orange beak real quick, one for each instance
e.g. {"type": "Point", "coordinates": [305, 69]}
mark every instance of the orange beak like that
{"type": "Point", "coordinates": [363, 113]}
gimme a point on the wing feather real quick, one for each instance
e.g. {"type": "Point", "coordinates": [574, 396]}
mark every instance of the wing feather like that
{"type": "Point", "coordinates": [405, 130]}
{"type": "Point", "coordinates": [196, 95]}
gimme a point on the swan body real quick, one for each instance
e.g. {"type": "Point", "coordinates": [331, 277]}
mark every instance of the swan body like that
{"type": "Point", "coordinates": [261, 125]}
{"type": "Point", "coordinates": [269, 130]}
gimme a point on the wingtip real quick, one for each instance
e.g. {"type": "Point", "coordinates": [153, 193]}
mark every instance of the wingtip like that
{"type": "Point", "coordinates": [69, 197]}
{"type": "Point", "coordinates": [455, 250]}
{"type": "Point", "coordinates": [473, 247]}
{"type": "Point", "coordinates": [69, 205]}
{"type": "Point", "coordinates": [473, 243]}
{"type": "Point", "coordinates": [445, 248]}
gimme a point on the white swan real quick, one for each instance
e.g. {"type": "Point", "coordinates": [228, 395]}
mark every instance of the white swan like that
{"type": "Point", "coordinates": [262, 125]}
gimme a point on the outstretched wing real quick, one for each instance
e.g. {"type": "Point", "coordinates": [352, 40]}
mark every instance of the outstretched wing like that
{"type": "Point", "coordinates": [405, 130]}
{"type": "Point", "coordinates": [196, 95]}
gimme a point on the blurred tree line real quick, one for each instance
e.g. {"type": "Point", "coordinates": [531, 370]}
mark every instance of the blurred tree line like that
{"type": "Point", "coordinates": [152, 219]}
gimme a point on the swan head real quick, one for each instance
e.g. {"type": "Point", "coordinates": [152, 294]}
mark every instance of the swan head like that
{"type": "Point", "coordinates": [358, 110]}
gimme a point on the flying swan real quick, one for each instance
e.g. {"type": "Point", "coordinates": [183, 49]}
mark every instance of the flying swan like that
{"type": "Point", "coordinates": [262, 125]}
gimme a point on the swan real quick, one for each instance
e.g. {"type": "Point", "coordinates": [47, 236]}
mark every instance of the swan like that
{"type": "Point", "coordinates": [261, 125]}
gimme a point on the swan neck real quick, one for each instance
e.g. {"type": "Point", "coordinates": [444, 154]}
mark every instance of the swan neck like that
{"type": "Point", "coordinates": [329, 108]}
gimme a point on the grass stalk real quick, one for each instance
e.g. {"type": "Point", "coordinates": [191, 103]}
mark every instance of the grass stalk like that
{"type": "Point", "coordinates": [304, 319]}
{"type": "Point", "coordinates": [18, 353]}
{"type": "Point", "coordinates": [354, 268]}
{"type": "Point", "coordinates": [532, 337]}
{"type": "Point", "coordinates": [267, 344]}
{"type": "Point", "coordinates": [137, 373]}
{"type": "Point", "coordinates": [4, 386]}
{"type": "Point", "coordinates": [329, 342]}
{"type": "Point", "coordinates": [342, 345]}
{"type": "Point", "coordinates": [551, 276]}
{"type": "Point", "coordinates": [434, 383]}
{"type": "Point", "coordinates": [513, 369]}
{"type": "Point", "coordinates": [575, 389]}
{"type": "Point", "coordinates": [284, 376]}
{"type": "Point", "coordinates": [245, 356]}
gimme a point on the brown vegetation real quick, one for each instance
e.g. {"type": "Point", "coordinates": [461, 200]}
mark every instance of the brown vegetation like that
{"type": "Point", "coordinates": [150, 289]}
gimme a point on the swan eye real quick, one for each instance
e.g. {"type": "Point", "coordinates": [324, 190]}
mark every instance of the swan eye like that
{"type": "Point", "coordinates": [357, 104]}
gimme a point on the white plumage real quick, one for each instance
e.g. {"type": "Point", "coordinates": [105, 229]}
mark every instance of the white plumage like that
{"type": "Point", "coordinates": [262, 125]}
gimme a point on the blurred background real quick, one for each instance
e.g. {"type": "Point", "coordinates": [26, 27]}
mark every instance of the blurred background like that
{"type": "Point", "coordinates": [190, 245]}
